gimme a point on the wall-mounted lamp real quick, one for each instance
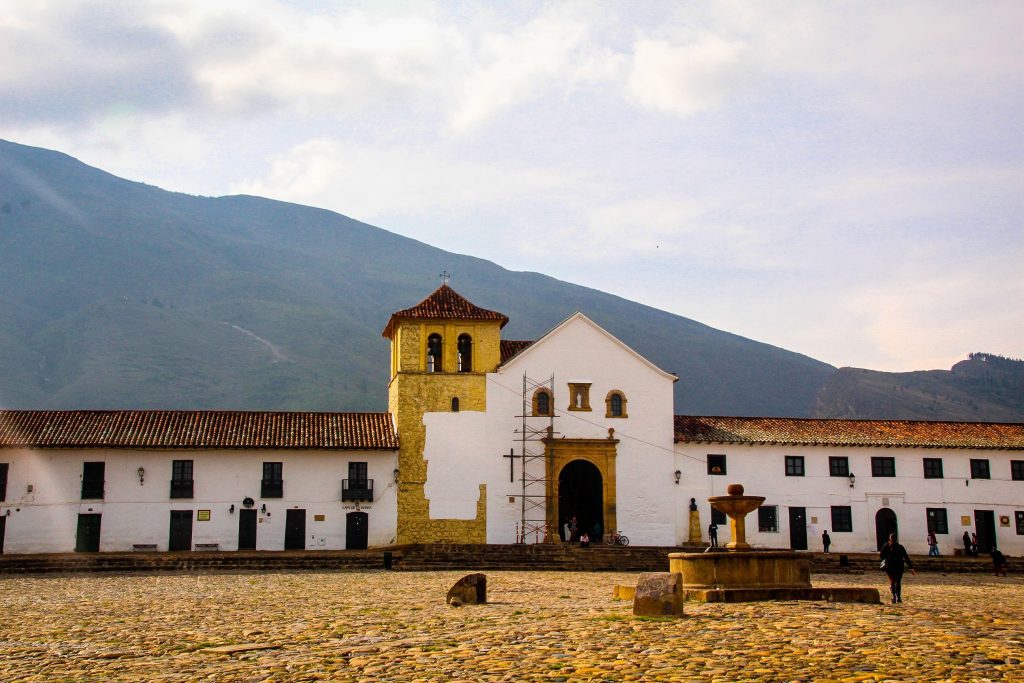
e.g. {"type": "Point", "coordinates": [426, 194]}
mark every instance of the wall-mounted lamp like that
{"type": "Point", "coordinates": [231, 510]}
{"type": "Point", "coordinates": [853, 478]}
{"type": "Point", "coordinates": [8, 513]}
{"type": "Point", "coordinates": [679, 475]}
{"type": "Point", "coordinates": [396, 475]}
{"type": "Point", "coordinates": [142, 475]}
{"type": "Point", "coordinates": [263, 508]}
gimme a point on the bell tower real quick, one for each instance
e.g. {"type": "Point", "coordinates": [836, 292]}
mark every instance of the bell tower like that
{"type": "Point", "coordinates": [441, 351]}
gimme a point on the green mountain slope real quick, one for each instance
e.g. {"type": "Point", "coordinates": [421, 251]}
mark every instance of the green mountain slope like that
{"type": "Point", "coordinates": [985, 388]}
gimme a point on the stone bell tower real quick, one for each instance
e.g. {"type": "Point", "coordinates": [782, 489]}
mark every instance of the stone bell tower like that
{"type": "Point", "coordinates": [441, 351]}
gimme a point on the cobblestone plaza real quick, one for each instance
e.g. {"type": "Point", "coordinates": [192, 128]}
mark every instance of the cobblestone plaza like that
{"type": "Point", "coordinates": [545, 626]}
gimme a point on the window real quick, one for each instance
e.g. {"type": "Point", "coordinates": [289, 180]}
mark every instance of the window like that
{"type": "Point", "coordinates": [542, 402]}
{"type": "Point", "coordinates": [838, 466]}
{"type": "Point", "coordinates": [615, 404]}
{"type": "Point", "coordinates": [933, 468]}
{"type": "Point", "coordinates": [1017, 470]}
{"type": "Point", "coordinates": [979, 469]}
{"type": "Point", "coordinates": [579, 396]}
{"type": "Point", "coordinates": [716, 464]}
{"type": "Point", "coordinates": [434, 349]}
{"type": "Point", "coordinates": [357, 486]}
{"type": "Point", "coordinates": [937, 522]}
{"type": "Point", "coordinates": [272, 485]}
{"type": "Point", "coordinates": [1020, 522]}
{"type": "Point", "coordinates": [181, 479]}
{"type": "Point", "coordinates": [883, 467]}
{"type": "Point", "coordinates": [455, 404]}
{"type": "Point", "coordinates": [842, 518]}
{"type": "Point", "coordinates": [92, 479]}
{"type": "Point", "coordinates": [718, 517]}
{"type": "Point", "coordinates": [794, 465]}
{"type": "Point", "coordinates": [465, 356]}
{"type": "Point", "coordinates": [3, 479]}
{"type": "Point", "coordinates": [768, 518]}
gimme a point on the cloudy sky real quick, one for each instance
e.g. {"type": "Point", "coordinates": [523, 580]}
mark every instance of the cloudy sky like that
{"type": "Point", "coordinates": [842, 180]}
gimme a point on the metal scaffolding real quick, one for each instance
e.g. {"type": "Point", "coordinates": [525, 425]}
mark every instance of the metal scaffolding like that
{"type": "Point", "coordinates": [533, 463]}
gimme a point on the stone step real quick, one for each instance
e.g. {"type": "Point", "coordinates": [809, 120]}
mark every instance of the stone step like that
{"type": "Point", "coordinates": [437, 557]}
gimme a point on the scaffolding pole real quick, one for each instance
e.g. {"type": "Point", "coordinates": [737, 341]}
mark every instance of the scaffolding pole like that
{"type": "Point", "coordinates": [532, 435]}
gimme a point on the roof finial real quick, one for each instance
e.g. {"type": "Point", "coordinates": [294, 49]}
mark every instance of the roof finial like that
{"type": "Point", "coordinates": [445, 277]}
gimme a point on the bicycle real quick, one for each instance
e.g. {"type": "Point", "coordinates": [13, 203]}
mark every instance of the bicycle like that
{"type": "Point", "coordinates": [616, 538]}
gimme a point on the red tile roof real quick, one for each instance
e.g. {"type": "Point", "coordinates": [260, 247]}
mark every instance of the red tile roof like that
{"type": "Point", "coordinates": [510, 347]}
{"type": "Point", "coordinates": [445, 303]}
{"type": "Point", "coordinates": [195, 429]}
{"type": "Point", "coordinates": [827, 432]}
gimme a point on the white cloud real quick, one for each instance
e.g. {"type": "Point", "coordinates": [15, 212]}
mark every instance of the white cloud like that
{"type": "Point", "coordinates": [518, 65]}
{"type": "Point", "coordinates": [375, 181]}
{"type": "Point", "coordinates": [686, 79]}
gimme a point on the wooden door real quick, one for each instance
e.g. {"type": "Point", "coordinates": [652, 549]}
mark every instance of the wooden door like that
{"type": "Point", "coordinates": [295, 530]}
{"type": "Point", "coordinates": [247, 529]}
{"type": "Point", "coordinates": [87, 538]}
{"type": "Point", "coordinates": [885, 524]}
{"type": "Point", "coordinates": [985, 527]}
{"type": "Point", "coordinates": [797, 528]}
{"type": "Point", "coordinates": [356, 530]}
{"type": "Point", "coordinates": [181, 530]}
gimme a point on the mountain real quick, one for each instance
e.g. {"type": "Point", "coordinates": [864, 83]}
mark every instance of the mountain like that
{"type": "Point", "coordinates": [986, 387]}
{"type": "Point", "coordinates": [117, 294]}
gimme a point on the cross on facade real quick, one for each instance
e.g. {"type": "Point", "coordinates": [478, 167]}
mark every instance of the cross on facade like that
{"type": "Point", "coordinates": [511, 464]}
{"type": "Point", "coordinates": [445, 277]}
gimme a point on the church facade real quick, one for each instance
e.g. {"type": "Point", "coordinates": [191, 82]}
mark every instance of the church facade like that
{"type": "Point", "coordinates": [489, 440]}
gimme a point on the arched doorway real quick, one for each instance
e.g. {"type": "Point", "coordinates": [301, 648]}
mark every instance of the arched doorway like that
{"type": "Point", "coordinates": [885, 524]}
{"type": "Point", "coordinates": [581, 494]}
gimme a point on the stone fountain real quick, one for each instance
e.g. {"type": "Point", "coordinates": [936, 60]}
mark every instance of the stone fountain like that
{"type": "Point", "coordinates": [739, 573]}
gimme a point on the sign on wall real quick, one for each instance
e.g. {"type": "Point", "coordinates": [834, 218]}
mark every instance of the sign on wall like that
{"type": "Point", "coordinates": [202, 515]}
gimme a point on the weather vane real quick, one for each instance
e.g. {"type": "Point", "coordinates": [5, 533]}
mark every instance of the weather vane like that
{"type": "Point", "coordinates": [445, 277]}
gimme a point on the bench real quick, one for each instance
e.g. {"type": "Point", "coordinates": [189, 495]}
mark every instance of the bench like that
{"type": "Point", "coordinates": [207, 546]}
{"type": "Point", "coordinates": [144, 547]}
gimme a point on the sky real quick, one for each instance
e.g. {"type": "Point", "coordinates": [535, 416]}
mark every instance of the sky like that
{"type": "Point", "coordinates": [844, 180]}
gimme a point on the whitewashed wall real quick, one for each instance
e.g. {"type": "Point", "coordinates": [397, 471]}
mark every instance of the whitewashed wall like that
{"type": "Point", "coordinates": [761, 470]}
{"type": "Point", "coordinates": [45, 520]}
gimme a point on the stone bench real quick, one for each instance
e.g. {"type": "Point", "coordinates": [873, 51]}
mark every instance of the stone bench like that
{"type": "Point", "coordinates": [144, 547]}
{"type": "Point", "coordinates": [207, 546]}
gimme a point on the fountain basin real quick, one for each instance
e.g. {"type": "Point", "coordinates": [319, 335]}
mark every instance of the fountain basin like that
{"type": "Point", "coordinates": [756, 575]}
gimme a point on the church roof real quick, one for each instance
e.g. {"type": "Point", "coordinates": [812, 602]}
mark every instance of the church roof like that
{"type": "Point", "coordinates": [195, 429]}
{"type": "Point", "coordinates": [510, 347]}
{"type": "Point", "coordinates": [831, 432]}
{"type": "Point", "coordinates": [445, 302]}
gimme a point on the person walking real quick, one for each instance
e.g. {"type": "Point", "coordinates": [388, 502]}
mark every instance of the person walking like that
{"type": "Point", "coordinates": [933, 545]}
{"type": "Point", "coordinates": [713, 534]}
{"type": "Point", "coordinates": [826, 540]}
{"type": "Point", "coordinates": [998, 562]}
{"type": "Point", "coordinates": [974, 545]}
{"type": "Point", "coordinates": [894, 561]}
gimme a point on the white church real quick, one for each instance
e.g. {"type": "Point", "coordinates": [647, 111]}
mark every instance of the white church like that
{"type": "Point", "coordinates": [498, 441]}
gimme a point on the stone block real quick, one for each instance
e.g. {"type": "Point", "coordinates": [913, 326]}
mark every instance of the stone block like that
{"type": "Point", "coordinates": [659, 594]}
{"type": "Point", "coordinates": [469, 590]}
{"type": "Point", "coordinates": [623, 592]}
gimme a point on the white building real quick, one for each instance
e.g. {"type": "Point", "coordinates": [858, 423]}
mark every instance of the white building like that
{"type": "Point", "coordinates": [588, 421]}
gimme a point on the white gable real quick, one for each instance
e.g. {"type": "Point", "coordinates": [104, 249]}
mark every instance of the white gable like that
{"type": "Point", "coordinates": [584, 337]}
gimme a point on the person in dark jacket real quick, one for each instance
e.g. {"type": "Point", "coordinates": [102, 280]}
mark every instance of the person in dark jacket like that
{"type": "Point", "coordinates": [999, 562]}
{"type": "Point", "coordinates": [895, 559]}
{"type": "Point", "coordinates": [967, 544]}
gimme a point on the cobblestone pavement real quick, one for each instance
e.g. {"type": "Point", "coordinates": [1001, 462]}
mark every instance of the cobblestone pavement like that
{"type": "Point", "coordinates": [538, 626]}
